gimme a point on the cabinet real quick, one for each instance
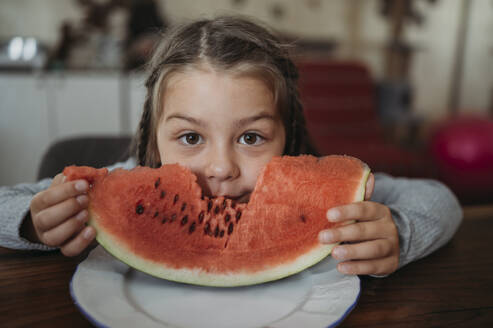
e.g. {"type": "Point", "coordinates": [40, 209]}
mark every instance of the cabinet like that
{"type": "Point", "coordinates": [85, 104]}
{"type": "Point", "coordinates": [37, 110]}
{"type": "Point", "coordinates": [25, 126]}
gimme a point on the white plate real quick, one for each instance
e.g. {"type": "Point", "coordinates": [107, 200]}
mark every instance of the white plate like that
{"type": "Point", "coordinates": [111, 294]}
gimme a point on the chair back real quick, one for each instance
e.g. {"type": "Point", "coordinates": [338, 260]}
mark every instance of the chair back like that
{"type": "Point", "coordinates": [95, 151]}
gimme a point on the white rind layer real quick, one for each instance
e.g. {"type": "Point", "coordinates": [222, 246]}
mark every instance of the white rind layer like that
{"type": "Point", "coordinates": [360, 193]}
{"type": "Point", "coordinates": [204, 278]}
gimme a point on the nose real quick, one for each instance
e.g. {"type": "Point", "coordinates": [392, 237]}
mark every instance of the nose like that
{"type": "Point", "coordinates": [221, 164]}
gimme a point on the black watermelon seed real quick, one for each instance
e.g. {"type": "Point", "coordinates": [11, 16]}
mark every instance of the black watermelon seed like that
{"type": "Point", "coordinates": [233, 204]}
{"type": "Point", "coordinates": [207, 229]}
{"type": "Point", "coordinates": [183, 206]}
{"type": "Point", "coordinates": [224, 204]}
{"type": "Point", "coordinates": [192, 228]}
{"type": "Point", "coordinates": [227, 218]}
{"type": "Point", "coordinates": [216, 232]}
{"type": "Point", "coordinates": [163, 193]}
{"type": "Point", "coordinates": [163, 221]}
{"type": "Point", "coordinates": [139, 209]}
{"type": "Point", "coordinates": [209, 206]}
{"type": "Point", "coordinates": [216, 209]}
{"type": "Point", "coordinates": [173, 217]}
{"type": "Point", "coordinates": [230, 228]}
{"type": "Point", "coordinates": [184, 220]}
{"type": "Point", "coordinates": [303, 219]}
{"type": "Point", "coordinates": [221, 234]}
{"type": "Point", "coordinates": [201, 217]}
{"type": "Point", "coordinates": [157, 183]}
{"type": "Point", "coordinates": [238, 216]}
{"type": "Point", "coordinates": [176, 199]}
{"type": "Point", "coordinates": [156, 213]}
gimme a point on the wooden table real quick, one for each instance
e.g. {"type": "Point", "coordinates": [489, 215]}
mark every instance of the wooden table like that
{"type": "Point", "coordinates": [451, 288]}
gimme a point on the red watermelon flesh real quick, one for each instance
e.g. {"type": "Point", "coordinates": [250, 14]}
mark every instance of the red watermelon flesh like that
{"type": "Point", "coordinates": [159, 222]}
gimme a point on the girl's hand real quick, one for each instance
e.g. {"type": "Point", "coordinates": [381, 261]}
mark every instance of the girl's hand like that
{"type": "Point", "coordinates": [59, 215]}
{"type": "Point", "coordinates": [372, 240]}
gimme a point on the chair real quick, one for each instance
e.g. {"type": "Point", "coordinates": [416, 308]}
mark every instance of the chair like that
{"type": "Point", "coordinates": [340, 105]}
{"type": "Point", "coordinates": [95, 151]}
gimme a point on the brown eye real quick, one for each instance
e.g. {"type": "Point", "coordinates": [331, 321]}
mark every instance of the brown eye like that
{"type": "Point", "coordinates": [250, 139]}
{"type": "Point", "coordinates": [191, 139]}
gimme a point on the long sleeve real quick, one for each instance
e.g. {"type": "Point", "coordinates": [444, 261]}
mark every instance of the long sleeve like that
{"type": "Point", "coordinates": [426, 213]}
{"type": "Point", "coordinates": [14, 206]}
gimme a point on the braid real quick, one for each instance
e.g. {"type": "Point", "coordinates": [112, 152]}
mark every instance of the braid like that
{"type": "Point", "coordinates": [144, 146]}
{"type": "Point", "coordinates": [143, 133]}
{"type": "Point", "coordinates": [301, 142]}
{"type": "Point", "coordinates": [297, 137]}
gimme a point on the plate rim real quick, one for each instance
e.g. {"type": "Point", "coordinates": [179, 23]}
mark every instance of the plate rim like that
{"type": "Point", "coordinates": [99, 324]}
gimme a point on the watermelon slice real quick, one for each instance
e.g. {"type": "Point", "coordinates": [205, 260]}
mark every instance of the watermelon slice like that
{"type": "Point", "coordinates": [158, 220]}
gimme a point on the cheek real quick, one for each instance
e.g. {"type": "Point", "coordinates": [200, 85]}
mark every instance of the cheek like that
{"type": "Point", "coordinates": [161, 144]}
{"type": "Point", "coordinates": [161, 148]}
{"type": "Point", "coordinates": [252, 169]}
{"type": "Point", "coordinates": [168, 150]}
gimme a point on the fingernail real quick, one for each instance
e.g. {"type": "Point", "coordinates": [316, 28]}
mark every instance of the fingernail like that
{"type": "Point", "coordinates": [82, 199]}
{"type": "Point", "coordinates": [88, 233]}
{"type": "Point", "coordinates": [333, 215]}
{"type": "Point", "coordinates": [81, 216]}
{"type": "Point", "coordinates": [339, 253]}
{"type": "Point", "coordinates": [343, 268]}
{"type": "Point", "coordinates": [81, 185]}
{"type": "Point", "coordinates": [325, 236]}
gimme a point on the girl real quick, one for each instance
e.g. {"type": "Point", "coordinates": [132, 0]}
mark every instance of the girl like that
{"type": "Point", "coordinates": [222, 100]}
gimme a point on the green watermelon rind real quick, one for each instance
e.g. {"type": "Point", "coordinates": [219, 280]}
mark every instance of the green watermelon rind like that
{"type": "Point", "coordinates": [202, 278]}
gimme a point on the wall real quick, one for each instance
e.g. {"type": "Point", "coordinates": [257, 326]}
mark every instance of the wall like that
{"type": "Point", "coordinates": [432, 67]}
{"type": "Point", "coordinates": [477, 86]}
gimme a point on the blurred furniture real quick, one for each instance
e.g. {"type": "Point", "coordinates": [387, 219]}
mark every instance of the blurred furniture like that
{"type": "Point", "coordinates": [37, 110]}
{"type": "Point", "coordinates": [88, 151]}
{"type": "Point", "coordinates": [340, 104]}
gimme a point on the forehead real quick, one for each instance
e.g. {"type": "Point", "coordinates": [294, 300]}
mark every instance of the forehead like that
{"type": "Point", "coordinates": [207, 93]}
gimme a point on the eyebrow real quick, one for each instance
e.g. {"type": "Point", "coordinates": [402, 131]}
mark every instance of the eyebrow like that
{"type": "Point", "coordinates": [186, 118]}
{"type": "Point", "coordinates": [239, 123]}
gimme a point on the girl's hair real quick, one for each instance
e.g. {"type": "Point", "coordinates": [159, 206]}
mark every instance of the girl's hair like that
{"type": "Point", "coordinates": [231, 44]}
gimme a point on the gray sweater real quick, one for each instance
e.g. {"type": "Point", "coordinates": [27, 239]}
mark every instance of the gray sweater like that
{"type": "Point", "coordinates": [426, 213]}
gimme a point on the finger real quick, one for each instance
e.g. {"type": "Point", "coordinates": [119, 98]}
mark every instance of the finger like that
{"type": "Point", "coordinates": [370, 184]}
{"type": "Point", "coordinates": [362, 211]}
{"type": "Point", "coordinates": [58, 193]}
{"type": "Point", "coordinates": [58, 179]}
{"type": "Point", "coordinates": [377, 267]}
{"type": "Point", "coordinates": [363, 251]}
{"type": "Point", "coordinates": [65, 231]}
{"type": "Point", "coordinates": [55, 215]}
{"type": "Point", "coordinates": [360, 231]}
{"type": "Point", "coordinates": [78, 244]}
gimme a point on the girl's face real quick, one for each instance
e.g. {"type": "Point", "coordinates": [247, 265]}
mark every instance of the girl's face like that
{"type": "Point", "coordinates": [225, 128]}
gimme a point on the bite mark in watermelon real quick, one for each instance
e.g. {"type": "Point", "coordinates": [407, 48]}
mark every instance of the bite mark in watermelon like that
{"type": "Point", "coordinates": [159, 222]}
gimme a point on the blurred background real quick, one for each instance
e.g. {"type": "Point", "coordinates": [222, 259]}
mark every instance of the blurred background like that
{"type": "Point", "coordinates": [405, 85]}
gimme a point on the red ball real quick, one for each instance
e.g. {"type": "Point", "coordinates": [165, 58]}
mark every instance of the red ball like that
{"type": "Point", "coordinates": [462, 149]}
